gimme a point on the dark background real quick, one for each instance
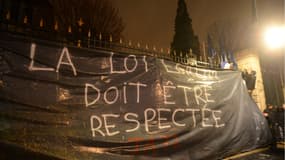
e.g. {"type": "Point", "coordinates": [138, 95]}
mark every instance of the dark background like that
{"type": "Point", "coordinates": [152, 21]}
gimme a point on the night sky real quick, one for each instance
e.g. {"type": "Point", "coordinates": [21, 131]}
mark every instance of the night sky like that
{"type": "Point", "coordinates": [152, 21]}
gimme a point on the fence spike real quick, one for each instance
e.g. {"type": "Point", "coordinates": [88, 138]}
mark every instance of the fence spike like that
{"type": "Point", "coordinates": [146, 47]}
{"type": "Point", "coordinates": [8, 15]}
{"type": "Point", "coordinates": [100, 36]}
{"type": "Point", "coordinates": [154, 48]}
{"type": "Point", "coordinates": [139, 45]}
{"type": "Point", "coordinates": [121, 41]}
{"type": "Point", "coordinates": [41, 22]}
{"type": "Point", "coordinates": [69, 29]}
{"type": "Point", "coordinates": [80, 22]}
{"type": "Point", "coordinates": [56, 26]}
{"type": "Point", "coordinates": [111, 38]}
{"type": "Point", "coordinates": [79, 43]}
{"type": "Point", "coordinates": [89, 33]}
{"type": "Point", "coordinates": [168, 51]}
{"type": "Point", "coordinates": [130, 43]}
{"type": "Point", "coordinates": [25, 19]}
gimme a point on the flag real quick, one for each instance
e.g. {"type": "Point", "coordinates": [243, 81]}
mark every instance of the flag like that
{"type": "Point", "coordinates": [225, 56]}
{"type": "Point", "coordinates": [224, 59]}
{"type": "Point", "coordinates": [223, 62]}
{"type": "Point", "coordinates": [232, 59]}
{"type": "Point", "coordinates": [211, 50]}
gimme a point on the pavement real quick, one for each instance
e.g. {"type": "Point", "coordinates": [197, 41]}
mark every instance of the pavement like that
{"type": "Point", "coordinates": [267, 153]}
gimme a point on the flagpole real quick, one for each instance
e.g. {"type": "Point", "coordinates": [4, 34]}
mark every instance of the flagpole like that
{"type": "Point", "coordinates": [283, 76]}
{"type": "Point", "coordinates": [254, 14]}
{"type": "Point", "coordinates": [204, 51]}
{"type": "Point", "coordinates": [284, 13]}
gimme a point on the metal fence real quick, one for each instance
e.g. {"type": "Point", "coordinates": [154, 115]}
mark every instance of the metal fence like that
{"type": "Point", "coordinates": [76, 37]}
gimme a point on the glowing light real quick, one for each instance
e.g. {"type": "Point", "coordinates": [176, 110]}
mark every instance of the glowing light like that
{"type": "Point", "coordinates": [275, 37]}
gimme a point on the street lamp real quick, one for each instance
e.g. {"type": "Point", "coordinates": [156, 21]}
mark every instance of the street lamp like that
{"type": "Point", "coordinates": [275, 37]}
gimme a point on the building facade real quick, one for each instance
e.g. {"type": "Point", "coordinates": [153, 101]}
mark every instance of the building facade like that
{"type": "Point", "coordinates": [248, 60]}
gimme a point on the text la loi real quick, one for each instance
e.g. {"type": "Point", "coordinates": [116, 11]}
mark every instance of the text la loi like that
{"type": "Point", "coordinates": [65, 59]}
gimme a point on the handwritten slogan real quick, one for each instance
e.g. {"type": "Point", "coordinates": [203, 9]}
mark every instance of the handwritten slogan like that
{"type": "Point", "coordinates": [196, 97]}
{"type": "Point", "coordinates": [82, 103]}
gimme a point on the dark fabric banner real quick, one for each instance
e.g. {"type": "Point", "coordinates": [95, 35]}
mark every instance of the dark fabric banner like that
{"type": "Point", "coordinates": [75, 103]}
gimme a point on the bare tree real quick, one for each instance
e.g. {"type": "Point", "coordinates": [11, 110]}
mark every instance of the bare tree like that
{"type": "Point", "coordinates": [94, 16]}
{"type": "Point", "coordinates": [230, 35]}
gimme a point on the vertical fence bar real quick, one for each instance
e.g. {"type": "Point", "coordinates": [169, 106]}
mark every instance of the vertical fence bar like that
{"type": "Point", "coordinates": [86, 35]}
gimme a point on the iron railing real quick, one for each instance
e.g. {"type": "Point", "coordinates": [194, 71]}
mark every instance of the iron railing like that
{"type": "Point", "coordinates": [78, 38]}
